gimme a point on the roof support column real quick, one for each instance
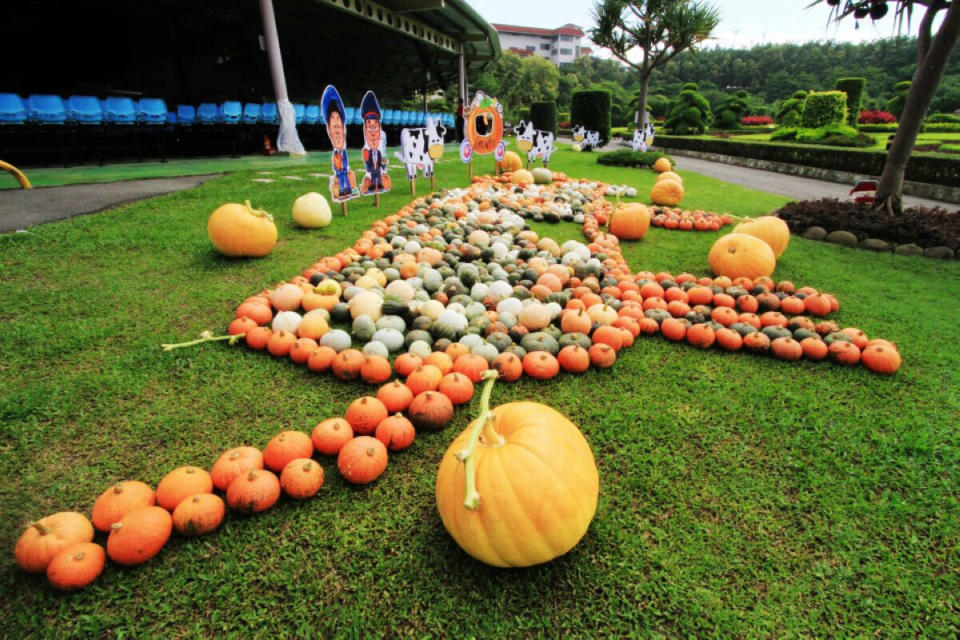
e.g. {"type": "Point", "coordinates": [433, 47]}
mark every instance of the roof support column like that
{"type": "Point", "coordinates": [287, 138]}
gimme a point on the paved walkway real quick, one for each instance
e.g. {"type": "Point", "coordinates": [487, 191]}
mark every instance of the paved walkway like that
{"type": "Point", "coordinates": [22, 208]}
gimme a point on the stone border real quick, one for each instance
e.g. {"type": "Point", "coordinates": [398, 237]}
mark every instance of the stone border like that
{"type": "Point", "coordinates": [847, 239]}
{"type": "Point", "coordinates": [919, 189]}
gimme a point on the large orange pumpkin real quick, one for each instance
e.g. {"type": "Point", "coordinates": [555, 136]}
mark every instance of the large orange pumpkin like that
{"type": "Point", "coordinates": [770, 229]}
{"type": "Point", "coordinates": [240, 231]}
{"type": "Point", "coordinates": [662, 165]}
{"type": "Point", "coordinates": [511, 161]}
{"type": "Point", "coordinates": [630, 222]}
{"type": "Point", "coordinates": [667, 192]}
{"type": "Point", "coordinates": [741, 255]}
{"type": "Point", "coordinates": [483, 124]}
{"type": "Point", "coordinates": [42, 540]}
{"type": "Point", "coordinates": [519, 486]}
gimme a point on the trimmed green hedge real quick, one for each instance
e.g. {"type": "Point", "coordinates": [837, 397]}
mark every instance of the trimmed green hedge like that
{"type": "Point", "coordinates": [592, 110]}
{"type": "Point", "coordinates": [945, 171]}
{"type": "Point", "coordinates": [628, 158]}
{"type": "Point", "coordinates": [790, 110]}
{"type": "Point", "coordinates": [928, 127]}
{"type": "Point", "coordinates": [544, 116]}
{"type": "Point", "coordinates": [824, 109]}
{"type": "Point", "coordinates": [853, 87]}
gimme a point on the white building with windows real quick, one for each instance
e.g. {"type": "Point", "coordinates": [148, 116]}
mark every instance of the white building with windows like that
{"type": "Point", "coordinates": [559, 46]}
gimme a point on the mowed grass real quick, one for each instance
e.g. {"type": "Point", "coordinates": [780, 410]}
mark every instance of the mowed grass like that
{"type": "Point", "coordinates": [740, 496]}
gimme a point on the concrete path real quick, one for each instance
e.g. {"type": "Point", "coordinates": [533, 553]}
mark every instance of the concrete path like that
{"type": "Point", "coordinates": [22, 208]}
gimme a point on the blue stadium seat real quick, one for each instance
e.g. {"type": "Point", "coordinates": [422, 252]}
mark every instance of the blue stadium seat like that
{"type": "Point", "coordinates": [268, 113]}
{"type": "Point", "coordinates": [84, 109]}
{"type": "Point", "coordinates": [152, 111]}
{"type": "Point", "coordinates": [389, 116]}
{"type": "Point", "coordinates": [421, 118]}
{"type": "Point", "coordinates": [12, 109]}
{"type": "Point", "coordinates": [186, 114]}
{"type": "Point", "coordinates": [251, 113]}
{"type": "Point", "coordinates": [208, 113]}
{"type": "Point", "coordinates": [299, 112]}
{"type": "Point", "coordinates": [171, 117]}
{"type": "Point", "coordinates": [312, 114]}
{"type": "Point", "coordinates": [402, 119]}
{"type": "Point", "coordinates": [450, 119]}
{"type": "Point", "coordinates": [231, 112]}
{"type": "Point", "coordinates": [121, 110]}
{"type": "Point", "coordinates": [46, 109]}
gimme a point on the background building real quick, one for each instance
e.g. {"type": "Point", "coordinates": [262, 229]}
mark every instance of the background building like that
{"type": "Point", "coordinates": [560, 46]}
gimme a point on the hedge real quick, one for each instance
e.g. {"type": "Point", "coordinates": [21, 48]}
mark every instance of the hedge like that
{"type": "Point", "coordinates": [628, 158]}
{"type": "Point", "coordinates": [544, 116]}
{"type": "Point", "coordinates": [824, 109]}
{"type": "Point", "coordinates": [931, 169]}
{"type": "Point", "coordinates": [929, 127]}
{"type": "Point", "coordinates": [592, 110]}
{"type": "Point", "coordinates": [853, 87]}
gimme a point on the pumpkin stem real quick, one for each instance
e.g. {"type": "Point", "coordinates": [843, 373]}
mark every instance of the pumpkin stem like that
{"type": "Point", "coordinates": [257, 212]}
{"type": "Point", "coordinates": [42, 528]}
{"type": "Point", "coordinates": [206, 336]}
{"type": "Point", "coordinates": [483, 422]}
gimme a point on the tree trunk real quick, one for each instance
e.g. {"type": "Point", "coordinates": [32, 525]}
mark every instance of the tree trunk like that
{"type": "Point", "coordinates": [924, 85]}
{"type": "Point", "coordinates": [644, 89]}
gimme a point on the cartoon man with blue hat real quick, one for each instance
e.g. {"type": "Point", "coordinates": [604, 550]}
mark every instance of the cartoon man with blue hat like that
{"type": "Point", "coordinates": [343, 183]}
{"type": "Point", "coordinates": [374, 148]}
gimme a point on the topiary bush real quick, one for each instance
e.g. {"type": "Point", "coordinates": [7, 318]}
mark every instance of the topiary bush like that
{"type": "Point", "coordinates": [899, 100]}
{"type": "Point", "coordinates": [824, 109]}
{"type": "Point", "coordinates": [628, 158]}
{"type": "Point", "coordinates": [789, 113]}
{"type": "Point", "coordinates": [730, 112]}
{"type": "Point", "coordinates": [592, 110]}
{"type": "Point", "coordinates": [544, 116]}
{"type": "Point", "coordinates": [853, 87]}
{"type": "Point", "coordinates": [689, 113]}
{"type": "Point", "coordinates": [834, 136]}
{"type": "Point", "coordinates": [942, 118]}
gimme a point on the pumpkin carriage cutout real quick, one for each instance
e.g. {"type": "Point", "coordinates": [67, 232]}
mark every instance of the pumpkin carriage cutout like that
{"type": "Point", "coordinates": [482, 129]}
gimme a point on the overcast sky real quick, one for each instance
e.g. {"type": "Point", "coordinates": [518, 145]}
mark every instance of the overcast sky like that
{"type": "Point", "coordinates": [743, 23]}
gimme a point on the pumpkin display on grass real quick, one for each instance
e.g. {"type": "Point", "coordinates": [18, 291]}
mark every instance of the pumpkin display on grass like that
{"type": "Point", "coordinates": [667, 192]}
{"type": "Point", "coordinates": [120, 499]}
{"type": "Point", "coordinates": [630, 221]}
{"type": "Point", "coordinates": [740, 255]}
{"type": "Point", "coordinates": [302, 478]}
{"type": "Point", "coordinates": [284, 447]}
{"type": "Point", "coordinates": [43, 539]}
{"type": "Point", "coordinates": [770, 229]}
{"type": "Point", "coordinates": [199, 514]}
{"type": "Point", "coordinates": [517, 506]}
{"type": "Point", "coordinates": [240, 231]}
{"type": "Point", "coordinates": [362, 460]}
{"type": "Point", "coordinates": [180, 484]}
{"type": "Point", "coordinates": [254, 491]}
{"type": "Point", "coordinates": [139, 535]}
{"type": "Point", "coordinates": [76, 566]}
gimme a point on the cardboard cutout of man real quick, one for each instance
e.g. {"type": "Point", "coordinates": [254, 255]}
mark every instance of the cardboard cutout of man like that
{"type": "Point", "coordinates": [343, 182]}
{"type": "Point", "coordinates": [374, 148]}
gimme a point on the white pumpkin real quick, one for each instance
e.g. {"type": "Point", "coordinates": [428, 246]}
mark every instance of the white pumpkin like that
{"type": "Point", "coordinates": [286, 321]}
{"type": "Point", "coordinates": [391, 339]}
{"type": "Point", "coordinates": [337, 339]}
{"type": "Point", "coordinates": [311, 210]}
{"type": "Point", "coordinates": [366, 303]}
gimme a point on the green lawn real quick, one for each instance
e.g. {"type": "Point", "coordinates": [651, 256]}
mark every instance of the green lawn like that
{"type": "Point", "coordinates": [740, 496]}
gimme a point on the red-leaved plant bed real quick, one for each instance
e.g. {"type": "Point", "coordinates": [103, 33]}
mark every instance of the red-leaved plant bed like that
{"type": "Point", "coordinates": [756, 121]}
{"type": "Point", "coordinates": [876, 117]}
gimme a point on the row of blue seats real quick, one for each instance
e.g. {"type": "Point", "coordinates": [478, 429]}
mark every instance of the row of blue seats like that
{"type": "Point", "coordinates": [52, 109]}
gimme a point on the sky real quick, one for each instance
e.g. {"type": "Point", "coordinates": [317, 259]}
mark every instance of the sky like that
{"type": "Point", "coordinates": [743, 23]}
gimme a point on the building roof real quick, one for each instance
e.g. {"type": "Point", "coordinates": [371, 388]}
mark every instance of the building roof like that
{"type": "Point", "coordinates": [567, 30]}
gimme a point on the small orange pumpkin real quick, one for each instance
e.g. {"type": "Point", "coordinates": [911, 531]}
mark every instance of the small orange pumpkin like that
{"type": "Point", "coordinates": [431, 411]}
{"type": "Point", "coordinates": [199, 514]}
{"type": "Point", "coordinates": [509, 366]}
{"type": "Point", "coordinates": [363, 459]}
{"type": "Point", "coordinates": [574, 358]}
{"type": "Point", "coordinates": [471, 365]}
{"type": "Point", "coordinates": [426, 377]}
{"type": "Point", "coordinates": [284, 447]}
{"type": "Point", "coordinates": [364, 414]}
{"type": "Point", "coordinates": [814, 349]}
{"type": "Point", "coordinates": [630, 222]}
{"type": "Point", "coordinates": [666, 192]}
{"type": "Point", "coordinates": [76, 566]}
{"type": "Point", "coordinates": [376, 370]}
{"type": "Point", "coordinates": [139, 535]}
{"type": "Point", "coordinates": [395, 396]}
{"type": "Point", "coordinates": [786, 349]}
{"type": "Point", "coordinates": [331, 434]}
{"type": "Point", "coordinates": [321, 359]}
{"type": "Point", "coordinates": [180, 484]}
{"type": "Point", "coordinates": [602, 356]}
{"type": "Point", "coordinates": [457, 387]}
{"type": "Point", "coordinates": [302, 478]}
{"type": "Point", "coordinates": [120, 499]}
{"type": "Point", "coordinates": [254, 491]}
{"type": "Point", "coordinates": [407, 363]}
{"type": "Point", "coordinates": [396, 432]}
{"type": "Point", "coordinates": [42, 540]}
{"type": "Point", "coordinates": [233, 463]}
{"type": "Point", "coordinates": [701, 336]}
{"type": "Point", "coordinates": [881, 358]}
{"type": "Point", "coordinates": [348, 363]}
{"type": "Point", "coordinates": [541, 364]}
{"type": "Point", "coordinates": [728, 339]}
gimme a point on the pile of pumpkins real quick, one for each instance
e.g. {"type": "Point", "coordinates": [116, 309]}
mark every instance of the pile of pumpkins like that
{"type": "Point", "coordinates": [752, 250]}
{"type": "Point", "coordinates": [671, 218]}
{"type": "Point", "coordinates": [668, 188]}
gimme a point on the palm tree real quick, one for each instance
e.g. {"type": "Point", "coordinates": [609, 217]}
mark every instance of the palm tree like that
{"type": "Point", "coordinates": [659, 29]}
{"type": "Point", "coordinates": [933, 51]}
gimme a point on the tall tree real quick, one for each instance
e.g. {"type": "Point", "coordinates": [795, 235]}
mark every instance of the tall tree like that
{"type": "Point", "coordinates": [659, 29]}
{"type": "Point", "coordinates": [933, 51]}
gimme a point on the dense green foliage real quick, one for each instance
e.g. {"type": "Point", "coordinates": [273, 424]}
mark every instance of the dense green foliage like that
{"type": "Point", "coordinates": [544, 115]}
{"type": "Point", "coordinates": [629, 158]}
{"type": "Point", "coordinates": [853, 87]}
{"type": "Point", "coordinates": [824, 109]}
{"type": "Point", "coordinates": [899, 100]}
{"type": "Point", "coordinates": [592, 110]}
{"type": "Point", "coordinates": [788, 115]}
{"type": "Point", "coordinates": [740, 496]}
{"type": "Point", "coordinates": [731, 110]}
{"type": "Point", "coordinates": [689, 112]}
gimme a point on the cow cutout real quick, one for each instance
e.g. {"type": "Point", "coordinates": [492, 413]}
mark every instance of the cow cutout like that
{"type": "Point", "coordinates": [419, 148]}
{"type": "Point", "coordinates": [537, 143]}
{"type": "Point", "coordinates": [588, 139]}
{"type": "Point", "coordinates": [643, 137]}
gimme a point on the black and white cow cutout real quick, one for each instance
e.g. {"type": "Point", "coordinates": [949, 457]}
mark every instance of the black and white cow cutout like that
{"type": "Point", "coordinates": [420, 147]}
{"type": "Point", "coordinates": [537, 143]}
{"type": "Point", "coordinates": [643, 137]}
{"type": "Point", "coordinates": [588, 139]}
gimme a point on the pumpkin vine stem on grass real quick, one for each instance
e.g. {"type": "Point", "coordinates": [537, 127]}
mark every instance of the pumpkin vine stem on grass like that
{"type": "Point", "coordinates": [482, 423]}
{"type": "Point", "coordinates": [206, 336]}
